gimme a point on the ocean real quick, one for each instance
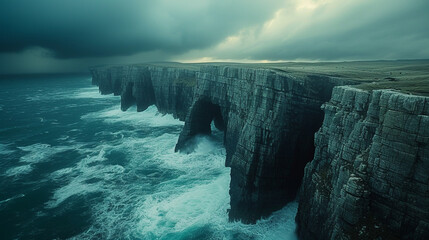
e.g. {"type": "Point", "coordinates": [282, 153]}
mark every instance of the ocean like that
{"type": "Point", "coordinates": [74, 166]}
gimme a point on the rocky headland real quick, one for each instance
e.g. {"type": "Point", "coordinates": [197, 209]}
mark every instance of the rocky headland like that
{"type": "Point", "coordinates": [357, 157]}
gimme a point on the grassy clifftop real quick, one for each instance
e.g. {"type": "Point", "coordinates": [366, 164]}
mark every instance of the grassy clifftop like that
{"type": "Point", "coordinates": [405, 76]}
{"type": "Point", "coordinates": [408, 76]}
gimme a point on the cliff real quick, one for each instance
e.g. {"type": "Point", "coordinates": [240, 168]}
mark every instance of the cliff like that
{"type": "Point", "coordinates": [170, 89]}
{"type": "Point", "coordinates": [369, 178]}
{"type": "Point", "coordinates": [269, 119]}
{"type": "Point", "coordinates": [369, 175]}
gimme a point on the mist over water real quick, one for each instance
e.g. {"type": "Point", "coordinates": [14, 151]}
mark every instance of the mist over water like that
{"type": "Point", "coordinates": [73, 165]}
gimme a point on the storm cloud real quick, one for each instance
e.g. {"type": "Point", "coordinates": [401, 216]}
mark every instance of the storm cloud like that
{"type": "Point", "coordinates": [69, 35]}
{"type": "Point", "coordinates": [99, 28]}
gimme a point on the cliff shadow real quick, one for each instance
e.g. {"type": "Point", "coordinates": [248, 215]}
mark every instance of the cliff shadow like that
{"type": "Point", "coordinates": [127, 98]}
{"type": "Point", "coordinates": [271, 176]}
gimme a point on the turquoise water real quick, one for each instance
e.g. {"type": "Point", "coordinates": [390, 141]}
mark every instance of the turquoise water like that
{"type": "Point", "coordinates": [72, 165]}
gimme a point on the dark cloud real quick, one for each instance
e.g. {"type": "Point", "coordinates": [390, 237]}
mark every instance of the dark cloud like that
{"type": "Point", "coordinates": [99, 28]}
{"type": "Point", "coordinates": [69, 35]}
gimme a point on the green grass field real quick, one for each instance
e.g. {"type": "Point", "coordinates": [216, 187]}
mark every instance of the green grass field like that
{"type": "Point", "coordinates": [405, 76]}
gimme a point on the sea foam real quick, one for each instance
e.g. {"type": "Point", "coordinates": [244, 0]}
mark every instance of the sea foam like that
{"type": "Point", "coordinates": [152, 192]}
{"type": "Point", "coordinates": [35, 153]}
{"type": "Point", "coordinates": [5, 150]}
{"type": "Point", "coordinates": [150, 117]}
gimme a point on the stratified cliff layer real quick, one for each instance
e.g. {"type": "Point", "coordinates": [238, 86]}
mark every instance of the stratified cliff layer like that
{"type": "Point", "coordinates": [369, 171]}
{"type": "Point", "coordinates": [269, 119]}
{"type": "Point", "coordinates": [369, 178]}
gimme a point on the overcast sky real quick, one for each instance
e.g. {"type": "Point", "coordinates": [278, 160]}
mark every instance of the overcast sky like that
{"type": "Point", "coordinates": [70, 35]}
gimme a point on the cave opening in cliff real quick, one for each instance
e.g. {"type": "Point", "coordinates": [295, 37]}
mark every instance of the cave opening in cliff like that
{"type": "Point", "coordinates": [203, 115]}
{"type": "Point", "coordinates": [205, 118]}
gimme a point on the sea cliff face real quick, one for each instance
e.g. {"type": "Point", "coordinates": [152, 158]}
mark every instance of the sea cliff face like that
{"type": "Point", "coordinates": [269, 119]}
{"type": "Point", "coordinates": [170, 89]}
{"type": "Point", "coordinates": [370, 155]}
{"type": "Point", "coordinates": [369, 178]}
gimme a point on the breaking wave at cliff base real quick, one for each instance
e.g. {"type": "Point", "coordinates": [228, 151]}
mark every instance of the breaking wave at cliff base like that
{"type": "Point", "coordinates": [106, 174]}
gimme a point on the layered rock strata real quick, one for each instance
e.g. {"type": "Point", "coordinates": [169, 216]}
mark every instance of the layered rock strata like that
{"type": "Point", "coordinates": [269, 119]}
{"type": "Point", "coordinates": [369, 178]}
